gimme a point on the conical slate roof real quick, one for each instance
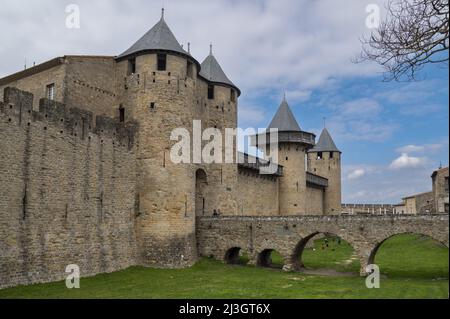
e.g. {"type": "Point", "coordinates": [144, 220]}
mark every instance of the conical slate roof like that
{"type": "Point", "coordinates": [325, 144]}
{"type": "Point", "coordinates": [212, 71]}
{"type": "Point", "coordinates": [158, 38]}
{"type": "Point", "coordinates": [284, 120]}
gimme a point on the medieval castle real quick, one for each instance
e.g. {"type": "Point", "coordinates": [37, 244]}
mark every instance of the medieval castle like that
{"type": "Point", "coordinates": [86, 176]}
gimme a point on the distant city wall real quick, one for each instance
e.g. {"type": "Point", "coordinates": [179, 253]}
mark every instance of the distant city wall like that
{"type": "Point", "coordinates": [380, 209]}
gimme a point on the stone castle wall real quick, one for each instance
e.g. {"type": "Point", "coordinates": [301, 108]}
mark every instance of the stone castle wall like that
{"type": "Point", "coordinates": [293, 192]}
{"type": "Point", "coordinates": [90, 84]}
{"type": "Point", "coordinates": [67, 191]}
{"type": "Point", "coordinates": [441, 190]}
{"type": "Point", "coordinates": [328, 166]}
{"type": "Point", "coordinates": [37, 83]}
{"type": "Point", "coordinates": [314, 201]}
{"type": "Point", "coordinates": [258, 194]}
{"type": "Point", "coordinates": [367, 208]}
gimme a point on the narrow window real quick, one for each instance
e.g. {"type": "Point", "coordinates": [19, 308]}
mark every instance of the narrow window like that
{"type": "Point", "coordinates": [446, 184]}
{"type": "Point", "coordinates": [162, 62]}
{"type": "Point", "coordinates": [152, 106]}
{"type": "Point", "coordinates": [319, 155]}
{"type": "Point", "coordinates": [331, 154]}
{"type": "Point", "coordinates": [51, 91]}
{"type": "Point", "coordinates": [131, 66]}
{"type": "Point", "coordinates": [122, 114]}
{"type": "Point", "coordinates": [232, 95]}
{"type": "Point", "coordinates": [211, 92]}
{"type": "Point", "coordinates": [190, 69]}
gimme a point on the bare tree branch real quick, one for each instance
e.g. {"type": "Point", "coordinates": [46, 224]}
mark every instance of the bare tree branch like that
{"type": "Point", "coordinates": [414, 33]}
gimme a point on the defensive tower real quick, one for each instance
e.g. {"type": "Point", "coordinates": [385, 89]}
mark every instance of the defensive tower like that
{"type": "Point", "coordinates": [157, 78]}
{"type": "Point", "coordinates": [293, 143]}
{"type": "Point", "coordinates": [325, 160]}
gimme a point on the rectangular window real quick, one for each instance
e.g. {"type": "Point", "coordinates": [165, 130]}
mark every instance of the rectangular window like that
{"type": "Point", "coordinates": [446, 184]}
{"type": "Point", "coordinates": [319, 155]}
{"type": "Point", "coordinates": [121, 114]}
{"type": "Point", "coordinates": [331, 154]}
{"type": "Point", "coordinates": [162, 62]}
{"type": "Point", "coordinates": [211, 92]}
{"type": "Point", "coordinates": [190, 69]}
{"type": "Point", "coordinates": [51, 91]}
{"type": "Point", "coordinates": [131, 66]}
{"type": "Point", "coordinates": [233, 96]}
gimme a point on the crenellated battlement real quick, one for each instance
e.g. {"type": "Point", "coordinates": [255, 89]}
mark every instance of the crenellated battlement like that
{"type": "Point", "coordinates": [17, 107]}
{"type": "Point", "coordinates": [71, 177]}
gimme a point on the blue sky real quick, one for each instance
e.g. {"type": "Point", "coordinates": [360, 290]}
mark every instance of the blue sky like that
{"type": "Point", "coordinates": [393, 135]}
{"type": "Point", "coordinates": [374, 123]}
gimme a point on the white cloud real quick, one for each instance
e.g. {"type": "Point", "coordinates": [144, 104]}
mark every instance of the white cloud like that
{"type": "Point", "coordinates": [357, 173]}
{"type": "Point", "coordinates": [364, 107]}
{"type": "Point", "coordinates": [295, 96]}
{"type": "Point", "coordinates": [416, 98]}
{"type": "Point", "coordinates": [251, 115]}
{"type": "Point", "coordinates": [360, 120]}
{"type": "Point", "coordinates": [406, 161]}
{"type": "Point", "coordinates": [384, 185]}
{"type": "Point", "coordinates": [273, 45]}
{"type": "Point", "coordinates": [411, 149]}
{"type": "Point", "coordinates": [429, 148]}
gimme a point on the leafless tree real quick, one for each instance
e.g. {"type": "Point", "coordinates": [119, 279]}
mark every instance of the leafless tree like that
{"type": "Point", "coordinates": [413, 34]}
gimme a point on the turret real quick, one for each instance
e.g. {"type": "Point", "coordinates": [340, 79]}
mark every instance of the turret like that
{"type": "Point", "coordinates": [157, 78]}
{"type": "Point", "coordinates": [217, 108]}
{"type": "Point", "coordinates": [325, 160]}
{"type": "Point", "coordinates": [293, 144]}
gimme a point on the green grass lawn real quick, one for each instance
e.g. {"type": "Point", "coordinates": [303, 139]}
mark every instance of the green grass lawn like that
{"type": "Point", "coordinates": [414, 267]}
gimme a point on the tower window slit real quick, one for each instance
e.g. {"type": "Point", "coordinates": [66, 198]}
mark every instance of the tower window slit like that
{"type": "Point", "coordinates": [190, 69]}
{"type": "Point", "coordinates": [211, 92]}
{"type": "Point", "coordinates": [131, 66]}
{"type": "Point", "coordinates": [121, 114]}
{"type": "Point", "coordinates": [162, 62]}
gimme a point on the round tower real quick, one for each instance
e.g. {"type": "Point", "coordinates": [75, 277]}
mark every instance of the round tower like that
{"type": "Point", "coordinates": [293, 143]}
{"type": "Point", "coordinates": [325, 160]}
{"type": "Point", "coordinates": [157, 78]}
{"type": "Point", "coordinates": [217, 110]}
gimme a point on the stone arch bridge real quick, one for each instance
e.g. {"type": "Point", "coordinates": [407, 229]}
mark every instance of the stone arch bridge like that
{"type": "Point", "coordinates": [224, 237]}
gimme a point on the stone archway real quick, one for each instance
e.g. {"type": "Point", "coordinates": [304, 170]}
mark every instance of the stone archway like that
{"type": "Point", "coordinates": [232, 256]}
{"type": "Point", "coordinates": [374, 250]}
{"type": "Point", "coordinates": [201, 183]}
{"type": "Point", "coordinates": [337, 253]}
{"type": "Point", "coordinates": [264, 259]}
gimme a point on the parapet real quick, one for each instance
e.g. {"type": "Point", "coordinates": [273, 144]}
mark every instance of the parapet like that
{"type": "Point", "coordinates": [18, 105]}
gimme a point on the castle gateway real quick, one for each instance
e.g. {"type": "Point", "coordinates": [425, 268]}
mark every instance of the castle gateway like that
{"type": "Point", "coordinates": [86, 176]}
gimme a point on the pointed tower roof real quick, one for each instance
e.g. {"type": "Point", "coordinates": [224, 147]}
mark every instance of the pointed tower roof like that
{"type": "Point", "coordinates": [325, 144]}
{"type": "Point", "coordinates": [212, 71]}
{"type": "Point", "coordinates": [160, 37]}
{"type": "Point", "coordinates": [284, 120]}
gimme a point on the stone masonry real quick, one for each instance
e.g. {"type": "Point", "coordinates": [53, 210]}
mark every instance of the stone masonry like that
{"type": "Point", "coordinates": [67, 191]}
{"type": "Point", "coordinates": [224, 237]}
{"type": "Point", "coordinates": [86, 175]}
